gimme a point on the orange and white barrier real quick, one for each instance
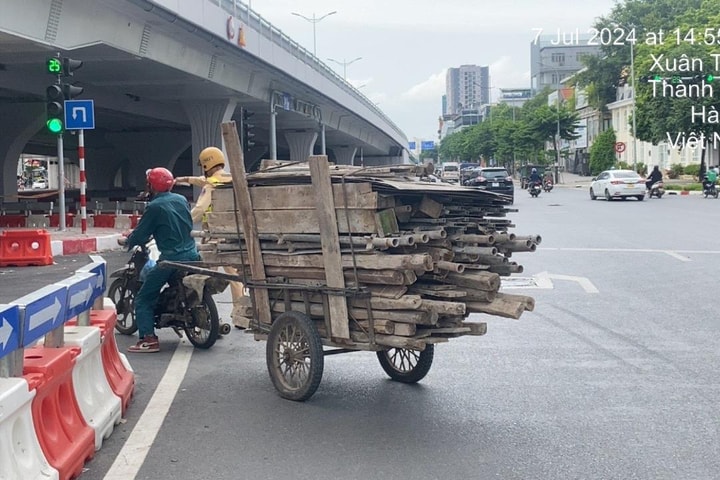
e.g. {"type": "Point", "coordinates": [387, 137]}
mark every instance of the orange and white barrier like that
{"type": "Point", "coordinates": [20, 452]}
{"type": "Point", "coordinates": [99, 405]}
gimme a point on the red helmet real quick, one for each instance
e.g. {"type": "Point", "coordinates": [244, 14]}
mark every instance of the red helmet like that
{"type": "Point", "coordinates": [160, 179]}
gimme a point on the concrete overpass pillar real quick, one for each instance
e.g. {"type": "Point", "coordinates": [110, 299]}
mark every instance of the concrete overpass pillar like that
{"type": "Point", "coordinates": [18, 123]}
{"type": "Point", "coordinates": [205, 119]}
{"type": "Point", "coordinates": [140, 151]}
{"type": "Point", "coordinates": [301, 144]}
{"type": "Point", "coordinates": [344, 155]}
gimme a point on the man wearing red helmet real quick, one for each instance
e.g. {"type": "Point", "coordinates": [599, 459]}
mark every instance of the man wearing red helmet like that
{"type": "Point", "coordinates": [167, 219]}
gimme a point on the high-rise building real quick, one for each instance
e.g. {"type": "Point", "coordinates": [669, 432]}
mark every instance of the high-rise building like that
{"type": "Point", "coordinates": [467, 86]}
{"type": "Point", "coordinates": [551, 59]}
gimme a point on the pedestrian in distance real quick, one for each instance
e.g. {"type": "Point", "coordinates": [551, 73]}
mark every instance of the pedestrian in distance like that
{"type": "Point", "coordinates": [166, 219]}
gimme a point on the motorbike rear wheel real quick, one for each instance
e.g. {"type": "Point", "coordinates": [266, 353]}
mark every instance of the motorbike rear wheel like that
{"type": "Point", "coordinates": [124, 300]}
{"type": "Point", "coordinates": [205, 326]}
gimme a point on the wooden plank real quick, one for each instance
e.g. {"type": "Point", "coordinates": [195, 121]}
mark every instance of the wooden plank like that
{"type": "Point", "coordinates": [332, 259]}
{"type": "Point", "coordinates": [430, 207]}
{"type": "Point", "coordinates": [297, 197]}
{"type": "Point", "coordinates": [247, 216]}
{"type": "Point", "coordinates": [418, 317]}
{"type": "Point", "coordinates": [387, 291]}
{"type": "Point", "coordinates": [294, 221]}
{"type": "Point", "coordinates": [387, 223]}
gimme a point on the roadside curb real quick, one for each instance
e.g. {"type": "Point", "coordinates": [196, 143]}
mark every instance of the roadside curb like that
{"type": "Point", "coordinates": [75, 246]}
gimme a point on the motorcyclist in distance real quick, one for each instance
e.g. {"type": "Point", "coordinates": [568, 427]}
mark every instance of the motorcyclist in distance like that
{"type": "Point", "coordinates": [655, 176]}
{"type": "Point", "coordinates": [535, 177]}
{"type": "Point", "coordinates": [710, 179]}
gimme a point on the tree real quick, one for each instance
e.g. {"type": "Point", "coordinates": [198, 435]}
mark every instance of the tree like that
{"type": "Point", "coordinates": [602, 152]}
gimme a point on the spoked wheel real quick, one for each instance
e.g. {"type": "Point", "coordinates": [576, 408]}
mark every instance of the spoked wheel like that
{"type": "Point", "coordinates": [205, 326]}
{"type": "Point", "coordinates": [124, 300]}
{"type": "Point", "coordinates": [295, 356]}
{"type": "Point", "coordinates": [407, 366]}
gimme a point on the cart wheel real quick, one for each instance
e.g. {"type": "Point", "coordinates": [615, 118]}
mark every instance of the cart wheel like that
{"type": "Point", "coordinates": [294, 356]}
{"type": "Point", "coordinates": [407, 366]}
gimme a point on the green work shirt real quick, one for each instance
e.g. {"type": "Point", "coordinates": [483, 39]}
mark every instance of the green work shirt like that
{"type": "Point", "coordinates": [167, 219]}
{"type": "Point", "coordinates": [711, 176]}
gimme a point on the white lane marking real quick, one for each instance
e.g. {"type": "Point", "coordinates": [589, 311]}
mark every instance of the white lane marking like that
{"type": "Point", "coordinates": [673, 253]}
{"type": "Point", "coordinates": [132, 456]}
{"type": "Point", "coordinates": [682, 258]}
{"type": "Point", "coordinates": [584, 282]}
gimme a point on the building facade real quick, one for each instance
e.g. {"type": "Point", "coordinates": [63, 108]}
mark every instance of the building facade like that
{"type": "Point", "coordinates": [551, 59]}
{"type": "Point", "coordinates": [467, 87]}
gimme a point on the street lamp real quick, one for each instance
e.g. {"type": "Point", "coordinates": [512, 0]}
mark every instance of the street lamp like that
{"type": "Point", "coordinates": [345, 64]}
{"type": "Point", "coordinates": [314, 22]}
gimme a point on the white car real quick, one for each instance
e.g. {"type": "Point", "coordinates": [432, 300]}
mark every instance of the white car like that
{"type": "Point", "coordinates": [618, 184]}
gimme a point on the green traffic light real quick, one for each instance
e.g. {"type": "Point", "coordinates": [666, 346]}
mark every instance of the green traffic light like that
{"type": "Point", "coordinates": [55, 125]}
{"type": "Point", "coordinates": [709, 78]}
{"type": "Point", "coordinates": [54, 66]}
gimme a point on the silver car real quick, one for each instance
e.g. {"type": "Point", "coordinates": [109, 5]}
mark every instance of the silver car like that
{"type": "Point", "coordinates": [618, 184]}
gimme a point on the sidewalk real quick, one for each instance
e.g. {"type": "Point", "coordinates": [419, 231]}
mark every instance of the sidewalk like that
{"type": "Point", "coordinates": [72, 241]}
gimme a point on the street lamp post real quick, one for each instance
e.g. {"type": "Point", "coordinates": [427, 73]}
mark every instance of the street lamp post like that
{"type": "Point", "coordinates": [314, 20]}
{"type": "Point", "coordinates": [345, 64]}
{"type": "Point", "coordinates": [557, 107]}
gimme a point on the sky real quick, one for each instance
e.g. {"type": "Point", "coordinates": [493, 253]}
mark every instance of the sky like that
{"type": "Point", "coordinates": [406, 46]}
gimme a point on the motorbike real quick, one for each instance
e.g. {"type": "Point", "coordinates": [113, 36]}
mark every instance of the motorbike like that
{"type": "Point", "coordinates": [710, 189]}
{"type": "Point", "coordinates": [548, 184]}
{"type": "Point", "coordinates": [184, 304]}
{"type": "Point", "coordinates": [535, 188]}
{"type": "Point", "coordinates": [657, 189]}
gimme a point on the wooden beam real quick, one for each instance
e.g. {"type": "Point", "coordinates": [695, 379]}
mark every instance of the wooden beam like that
{"type": "Point", "coordinates": [247, 217]}
{"type": "Point", "coordinates": [329, 239]}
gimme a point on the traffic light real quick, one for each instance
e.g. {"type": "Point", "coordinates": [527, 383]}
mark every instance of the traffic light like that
{"type": "Point", "coordinates": [69, 66]}
{"type": "Point", "coordinates": [55, 95]}
{"type": "Point", "coordinates": [707, 77]}
{"type": "Point", "coordinates": [248, 133]}
{"type": "Point", "coordinates": [54, 99]}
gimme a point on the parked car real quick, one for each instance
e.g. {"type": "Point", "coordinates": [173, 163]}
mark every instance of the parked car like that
{"type": "Point", "coordinates": [466, 169]}
{"type": "Point", "coordinates": [618, 184]}
{"type": "Point", "coordinates": [493, 179]}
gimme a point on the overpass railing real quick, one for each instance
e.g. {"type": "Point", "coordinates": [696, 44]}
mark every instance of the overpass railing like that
{"type": "Point", "coordinates": [243, 12]}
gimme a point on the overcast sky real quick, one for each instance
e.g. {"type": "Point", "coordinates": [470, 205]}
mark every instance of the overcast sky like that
{"type": "Point", "coordinates": [407, 45]}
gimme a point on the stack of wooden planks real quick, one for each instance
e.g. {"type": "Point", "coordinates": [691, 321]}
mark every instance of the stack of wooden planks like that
{"type": "Point", "coordinates": [375, 255]}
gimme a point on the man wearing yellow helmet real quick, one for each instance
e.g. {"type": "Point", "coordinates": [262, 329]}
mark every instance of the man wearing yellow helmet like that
{"type": "Point", "coordinates": [212, 161]}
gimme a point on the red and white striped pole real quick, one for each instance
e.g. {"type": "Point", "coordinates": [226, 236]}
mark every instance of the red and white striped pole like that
{"type": "Point", "coordinates": [83, 182]}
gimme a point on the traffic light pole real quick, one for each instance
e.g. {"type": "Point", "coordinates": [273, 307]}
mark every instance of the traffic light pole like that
{"type": "Point", "coordinates": [61, 184]}
{"type": "Point", "coordinates": [83, 181]}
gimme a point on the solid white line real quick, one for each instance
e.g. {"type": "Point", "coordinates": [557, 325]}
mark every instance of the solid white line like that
{"type": "Point", "coordinates": [132, 456]}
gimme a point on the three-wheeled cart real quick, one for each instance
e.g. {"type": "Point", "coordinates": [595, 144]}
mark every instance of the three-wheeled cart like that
{"type": "Point", "coordinates": [334, 265]}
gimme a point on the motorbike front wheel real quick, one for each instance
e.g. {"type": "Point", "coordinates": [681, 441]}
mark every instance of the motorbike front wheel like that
{"type": "Point", "coordinates": [124, 300]}
{"type": "Point", "coordinates": [205, 327]}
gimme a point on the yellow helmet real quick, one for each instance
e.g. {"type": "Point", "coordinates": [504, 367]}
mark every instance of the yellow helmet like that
{"type": "Point", "coordinates": [210, 158]}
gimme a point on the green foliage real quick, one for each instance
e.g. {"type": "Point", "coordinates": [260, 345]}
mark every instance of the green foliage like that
{"type": "Point", "coordinates": [676, 170]}
{"type": "Point", "coordinates": [641, 168]}
{"type": "Point", "coordinates": [692, 169]}
{"type": "Point", "coordinates": [623, 166]}
{"type": "Point", "coordinates": [602, 152]}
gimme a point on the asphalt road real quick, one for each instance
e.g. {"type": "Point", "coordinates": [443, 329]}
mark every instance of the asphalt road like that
{"type": "Point", "coordinates": [617, 384]}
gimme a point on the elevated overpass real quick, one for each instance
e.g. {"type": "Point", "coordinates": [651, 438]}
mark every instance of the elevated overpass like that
{"type": "Point", "coordinates": [163, 74]}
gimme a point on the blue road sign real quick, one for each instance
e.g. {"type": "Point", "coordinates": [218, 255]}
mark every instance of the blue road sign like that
{"type": "Point", "coordinates": [428, 145]}
{"type": "Point", "coordinates": [44, 311]}
{"type": "Point", "coordinates": [99, 268]}
{"type": "Point", "coordinates": [9, 329]}
{"type": "Point", "coordinates": [79, 115]}
{"type": "Point", "coordinates": [80, 293]}
{"type": "Point", "coordinates": [411, 145]}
